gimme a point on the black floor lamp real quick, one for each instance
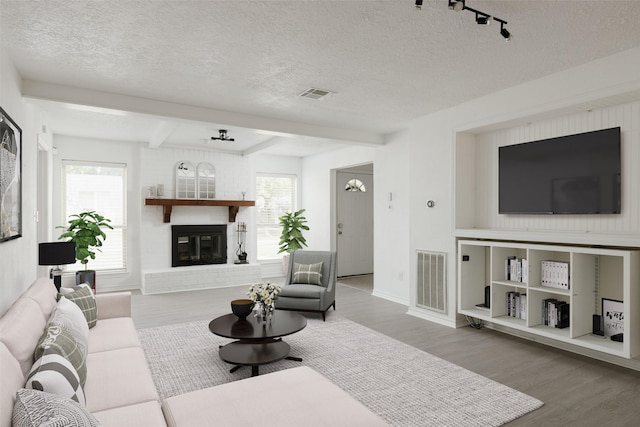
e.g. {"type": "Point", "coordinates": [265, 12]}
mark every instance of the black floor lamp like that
{"type": "Point", "coordinates": [56, 254]}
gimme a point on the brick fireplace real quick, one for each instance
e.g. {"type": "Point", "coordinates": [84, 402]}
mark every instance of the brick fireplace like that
{"type": "Point", "coordinates": [233, 176]}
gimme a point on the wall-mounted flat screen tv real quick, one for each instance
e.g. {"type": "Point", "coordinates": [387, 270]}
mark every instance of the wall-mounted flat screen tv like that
{"type": "Point", "coordinates": [574, 174]}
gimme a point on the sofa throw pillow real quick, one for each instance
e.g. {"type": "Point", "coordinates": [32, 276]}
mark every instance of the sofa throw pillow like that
{"type": "Point", "coordinates": [38, 408]}
{"type": "Point", "coordinates": [56, 375]}
{"type": "Point", "coordinates": [57, 340]}
{"type": "Point", "coordinates": [70, 318]}
{"type": "Point", "coordinates": [307, 273]}
{"type": "Point", "coordinates": [65, 291]}
{"type": "Point", "coordinates": [83, 297]}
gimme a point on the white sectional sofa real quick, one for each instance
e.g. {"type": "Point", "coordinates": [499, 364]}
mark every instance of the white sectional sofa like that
{"type": "Point", "coordinates": [120, 391]}
{"type": "Point", "coordinates": [119, 388]}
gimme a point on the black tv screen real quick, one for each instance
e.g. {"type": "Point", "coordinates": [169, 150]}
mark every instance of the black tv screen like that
{"type": "Point", "coordinates": [575, 174]}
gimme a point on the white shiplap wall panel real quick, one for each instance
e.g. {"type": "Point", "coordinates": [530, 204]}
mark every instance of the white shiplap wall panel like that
{"type": "Point", "coordinates": [632, 150]}
{"type": "Point", "coordinates": [626, 116]}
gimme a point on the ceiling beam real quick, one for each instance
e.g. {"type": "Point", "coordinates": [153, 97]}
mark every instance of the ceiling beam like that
{"type": "Point", "coordinates": [92, 98]}
{"type": "Point", "coordinates": [161, 133]}
{"type": "Point", "coordinates": [262, 146]}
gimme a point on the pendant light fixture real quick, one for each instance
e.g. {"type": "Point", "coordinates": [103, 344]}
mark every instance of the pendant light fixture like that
{"type": "Point", "coordinates": [223, 136]}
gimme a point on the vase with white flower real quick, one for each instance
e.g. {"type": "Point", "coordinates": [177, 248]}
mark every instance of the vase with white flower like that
{"type": "Point", "coordinates": [264, 295]}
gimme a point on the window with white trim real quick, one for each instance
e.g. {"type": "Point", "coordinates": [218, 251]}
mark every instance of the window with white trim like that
{"type": "Point", "coordinates": [99, 187]}
{"type": "Point", "coordinates": [275, 196]}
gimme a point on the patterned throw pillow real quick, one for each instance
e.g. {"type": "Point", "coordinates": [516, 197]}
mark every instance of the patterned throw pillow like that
{"type": "Point", "coordinates": [65, 291]}
{"type": "Point", "coordinates": [307, 273]}
{"type": "Point", "coordinates": [37, 408]}
{"type": "Point", "coordinates": [56, 375]}
{"type": "Point", "coordinates": [57, 340]}
{"type": "Point", "coordinates": [83, 297]}
{"type": "Point", "coordinates": [70, 318]}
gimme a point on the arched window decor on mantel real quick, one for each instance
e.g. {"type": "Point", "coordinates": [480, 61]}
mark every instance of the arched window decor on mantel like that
{"type": "Point", "coordinates": [185, 180]}
{"type": "Point", "coordinates": [354, 184]}
{"type": "Point", "coordinates": [206, 181]}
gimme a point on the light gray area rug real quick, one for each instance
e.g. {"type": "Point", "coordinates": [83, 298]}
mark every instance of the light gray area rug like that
{"type": "Point", "coordinates": [404, 385]}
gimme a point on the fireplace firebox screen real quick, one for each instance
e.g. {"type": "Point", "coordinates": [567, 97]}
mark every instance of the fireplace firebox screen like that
{"type": "Point", "coordinates": [198, 245]}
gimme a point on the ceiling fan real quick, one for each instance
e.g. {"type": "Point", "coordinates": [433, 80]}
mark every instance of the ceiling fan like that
{"type": "Point", "coordinates": [223, 136]}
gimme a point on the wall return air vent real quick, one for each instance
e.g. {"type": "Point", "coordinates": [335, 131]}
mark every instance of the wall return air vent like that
{"type": "Point", "coordinates": [431, 289]}
{"type": "Point", "coordinates": [314, 93]}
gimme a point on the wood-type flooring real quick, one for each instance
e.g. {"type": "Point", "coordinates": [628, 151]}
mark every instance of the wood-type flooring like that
{"type": "Point", "coordinates": [577, 390]}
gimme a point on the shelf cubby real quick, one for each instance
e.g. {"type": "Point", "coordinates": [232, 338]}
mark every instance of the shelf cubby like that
{"type": "Point", "coordinates": [594, 273]}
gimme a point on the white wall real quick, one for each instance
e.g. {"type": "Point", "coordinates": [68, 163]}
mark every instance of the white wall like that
{"type": "Point", "coordinates": [609, 79]}
{"type": "Point", "coordinates": [626, 116]}
{"type": "Point", "coordinates": [392, 228]}
{"type": "Point", "coordinates": [433, 140]}
{"type": "Point", "coordinates": [157, 166]}
{"type": "Point", "coordinates": [431, 157]}
{"type": "Point", "coordinates": [318, 189]}
{"type": "Point", "coordinates": [19, 257]}
{"type": "Point", "coordinates": [149, 238]}
{"type": "Point", "coordinates": [260, 163]}
{"type": "Point", "coordinates": [75, 148]}
{"type": "Point", "coordinates": [597, 95]}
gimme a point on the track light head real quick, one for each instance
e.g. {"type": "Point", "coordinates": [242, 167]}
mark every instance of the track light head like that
{"type": "Point", "coordinates": [505, 33]}
{"type": "Point", "coordinates": [419, 4]}
{"type": "Point", "coordinates": [456, 5]}
{"type": "Point", "coordinates": [483, 19]}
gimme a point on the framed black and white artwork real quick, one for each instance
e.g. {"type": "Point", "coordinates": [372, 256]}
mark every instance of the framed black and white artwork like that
{"type": "Point", "coordinates": [10, 178]}
{"type": "Point", "coordinates": [613, 317]}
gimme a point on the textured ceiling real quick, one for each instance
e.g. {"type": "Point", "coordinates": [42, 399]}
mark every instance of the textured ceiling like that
{"type": "Point", "coordinates": [387, 62]}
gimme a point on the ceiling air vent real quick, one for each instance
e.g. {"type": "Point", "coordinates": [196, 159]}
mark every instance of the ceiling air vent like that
{"type": "Point", "coordinates": [314, 93]}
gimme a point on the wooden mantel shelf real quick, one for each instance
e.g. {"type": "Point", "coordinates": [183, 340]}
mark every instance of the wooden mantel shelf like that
{"type": "Point", "coordinates": [168, 204]}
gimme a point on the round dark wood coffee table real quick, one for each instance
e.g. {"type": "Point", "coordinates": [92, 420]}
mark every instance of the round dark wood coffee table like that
{"type": "Point", "coordinates": [258, 342]}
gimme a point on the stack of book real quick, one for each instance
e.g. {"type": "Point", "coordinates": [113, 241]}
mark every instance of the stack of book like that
{"type": "Point", "coordinates": [516, 269]}
{"type": "Point", "coordinates": [555, 313]}
{"type": "Point", "coordinates": [555, 274]}
{"type": "Point", "coordinates": [516, 305]}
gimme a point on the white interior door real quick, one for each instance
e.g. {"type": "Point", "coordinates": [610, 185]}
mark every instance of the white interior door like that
{"type": "Point", "coordinates": [354, 223]}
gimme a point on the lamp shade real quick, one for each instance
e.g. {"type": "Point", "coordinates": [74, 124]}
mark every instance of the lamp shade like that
{"type": "Point", "coordinates": [56, 253]}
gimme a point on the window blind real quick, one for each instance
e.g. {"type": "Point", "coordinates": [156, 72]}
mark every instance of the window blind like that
{"type": "Point", "coordinates": [275, 196]}
{"type": "Point", "coordinates": [99, 187]}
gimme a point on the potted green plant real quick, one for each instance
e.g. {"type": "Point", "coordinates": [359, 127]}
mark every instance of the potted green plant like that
{"type": "Point", "coordinates": [85, 230]}
{"type": "Point", "coordinates": [291, 239]}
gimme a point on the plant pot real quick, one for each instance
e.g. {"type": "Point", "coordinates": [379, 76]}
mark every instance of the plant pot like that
{"type": "Point", "coordinates": [87, 276]}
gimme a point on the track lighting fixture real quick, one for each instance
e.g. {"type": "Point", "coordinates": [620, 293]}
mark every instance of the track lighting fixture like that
{"type": "Point", "coordinates": [222, 137]}
{"type": "Point", "coordinates": [481, 17]}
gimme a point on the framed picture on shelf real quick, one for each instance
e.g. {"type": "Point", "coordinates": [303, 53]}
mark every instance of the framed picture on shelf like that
{"type": "Point", "coordinates": [613, 316]}
{"type": "Point", "coordinates": [10, 178]}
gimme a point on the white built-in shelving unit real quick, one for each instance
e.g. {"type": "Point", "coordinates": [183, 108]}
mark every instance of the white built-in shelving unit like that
{"type": "Point", "coordinates": [595, 273]}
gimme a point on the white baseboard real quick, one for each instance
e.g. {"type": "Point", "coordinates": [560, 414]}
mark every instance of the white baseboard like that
{"type": "Point", "coordinates": [388, 297]}
{"type": "Point", "coordinates": [435, 318]}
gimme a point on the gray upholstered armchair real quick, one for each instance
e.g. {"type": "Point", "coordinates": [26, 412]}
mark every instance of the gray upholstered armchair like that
{"type": "Point", "coordinates": [309, 286]}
